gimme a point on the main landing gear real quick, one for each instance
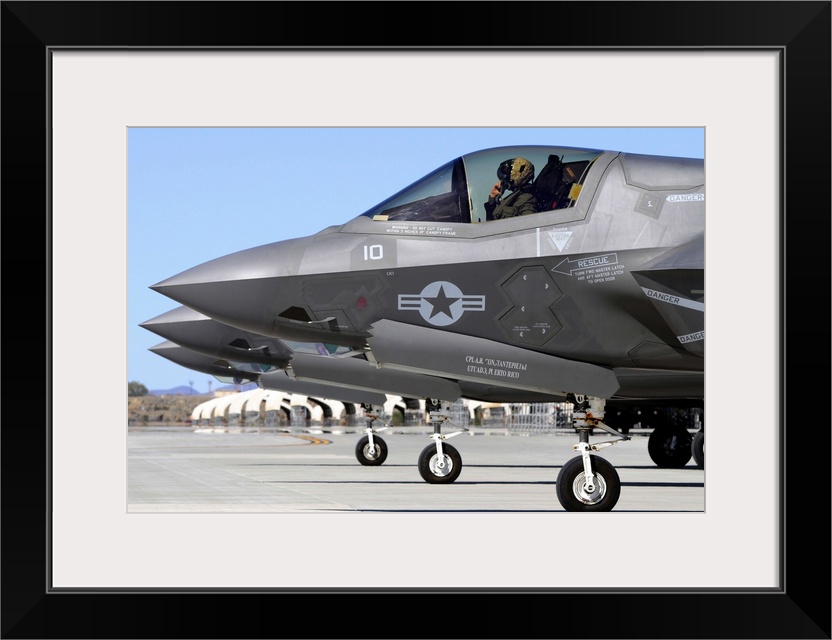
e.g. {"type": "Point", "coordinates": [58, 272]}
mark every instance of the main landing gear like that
{"type": "Point", "coordinates": [671, 446]}
{"type": "Point", "coordinates": [698, 448]}
{"type": "Point", "coordinates": [371, 449]}
{"type": "Point", "coordinates": [588, 482]}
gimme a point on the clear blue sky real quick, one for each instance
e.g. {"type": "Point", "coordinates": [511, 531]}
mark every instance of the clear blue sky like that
{"type": "Point", "coordinates": [195, 194]}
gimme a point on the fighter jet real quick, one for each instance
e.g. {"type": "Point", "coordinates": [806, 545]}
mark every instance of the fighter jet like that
{"type": "Point", "coordinates": [573, 274]}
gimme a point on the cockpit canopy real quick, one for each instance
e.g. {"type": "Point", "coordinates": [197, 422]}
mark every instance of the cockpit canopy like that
{"type": "Point", "coordinates": [458, 191]}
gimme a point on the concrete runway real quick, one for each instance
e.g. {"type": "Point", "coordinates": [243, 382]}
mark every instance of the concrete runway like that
{"type": "Point", "coordinates": [193, 470]}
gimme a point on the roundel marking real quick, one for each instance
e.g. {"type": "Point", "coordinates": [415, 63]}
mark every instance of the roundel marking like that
{"type": "Point", "coordinates": [441, 303]}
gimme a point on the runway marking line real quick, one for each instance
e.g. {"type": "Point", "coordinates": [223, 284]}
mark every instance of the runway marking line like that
{"type": "Point", "coordinates": [311, 439]}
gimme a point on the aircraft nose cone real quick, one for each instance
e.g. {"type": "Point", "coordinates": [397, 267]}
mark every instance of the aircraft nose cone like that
{"type": "Point", "coordinates": [172, 320]}
{"type": "Point", "coordinates": [198, 332]}
{"type": "Point", "coordinates": [243, 289]}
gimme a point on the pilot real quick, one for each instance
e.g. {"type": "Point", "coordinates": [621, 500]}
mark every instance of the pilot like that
{"type": "Point", "coordinates": [515, 175]}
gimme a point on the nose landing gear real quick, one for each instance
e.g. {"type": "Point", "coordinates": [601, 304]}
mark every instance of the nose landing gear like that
{"type": "Point", "coordinates": [585, 483]}
{"type": "Point", "coordinates": [588, 482]}
{"type": "Point", "coordinates": [371, 449]}
{"type": "Point", "coordinates": [440, 463]}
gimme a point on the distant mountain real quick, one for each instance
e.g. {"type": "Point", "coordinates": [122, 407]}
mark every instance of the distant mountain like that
{"type": "Point", "coordinates": [176, 391]}
{"type": "Point", "coordinates": [243, 387]}
{"type": "Point", "coordinates": [188, 391]}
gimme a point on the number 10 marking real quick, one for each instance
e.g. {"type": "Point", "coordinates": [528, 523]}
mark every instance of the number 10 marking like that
{"type": "Point", "coordinates": [373, 252]}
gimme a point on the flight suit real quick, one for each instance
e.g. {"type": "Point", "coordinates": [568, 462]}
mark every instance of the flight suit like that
{"type": "Point", "coordinates": [518, 203]}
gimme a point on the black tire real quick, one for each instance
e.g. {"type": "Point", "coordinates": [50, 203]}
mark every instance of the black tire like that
{"type": "Point", "coordinates": [569, 487]}
{"type": "Point", "coordinates": [362, 451]}
{"type": "Point", "coordinates": [697, 448]}
{"type": "Point", "coordinates": [429, 458]}
{"type": "Point", "coordinates": [670, 446]}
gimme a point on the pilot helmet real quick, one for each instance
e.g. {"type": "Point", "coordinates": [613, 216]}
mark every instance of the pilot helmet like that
{"type": "Point", "coordinates": [515, 172]}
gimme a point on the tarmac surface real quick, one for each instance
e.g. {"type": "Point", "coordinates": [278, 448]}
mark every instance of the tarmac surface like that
{"type": "Point", "coordinates": [250, 470]}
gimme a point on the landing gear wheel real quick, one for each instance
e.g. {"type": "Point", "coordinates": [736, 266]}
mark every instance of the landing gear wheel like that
{"type": "Point", "coordinates": [698, 448]}
{"type": "Point", "coordinates": [367, 458]}
{"type": "Point", "coordinates": [670, 446]}
{"type": "Point", "coordinates": [430, 469]}
{"type": "Point", "coordinates": [572, 494]}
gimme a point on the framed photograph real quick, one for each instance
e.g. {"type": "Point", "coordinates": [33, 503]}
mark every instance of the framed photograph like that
{"type": "Point", "coordinates": [77, 76]}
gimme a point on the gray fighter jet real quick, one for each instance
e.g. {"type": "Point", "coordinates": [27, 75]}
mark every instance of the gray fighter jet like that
{"type": "Point", "coordinates": [572, 274]}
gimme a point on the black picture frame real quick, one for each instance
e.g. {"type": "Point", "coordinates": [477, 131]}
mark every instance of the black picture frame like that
{"type": "Point", "coordinates": [800, 608]}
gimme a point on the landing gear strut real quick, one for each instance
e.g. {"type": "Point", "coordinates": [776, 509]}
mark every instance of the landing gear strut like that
{"type": "Point", "coordinates": [440, 463]}
{"type": "Point", "coordinates": [371, 449]}
{"type": "Point", "coordinates": [588, 482]}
